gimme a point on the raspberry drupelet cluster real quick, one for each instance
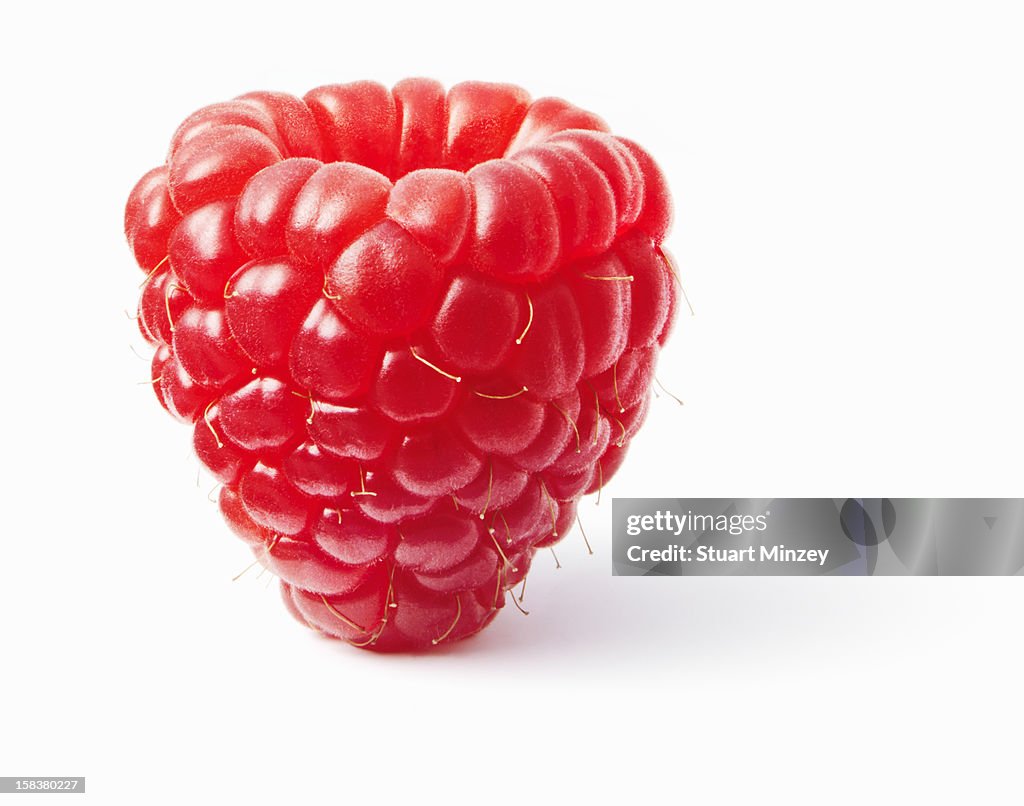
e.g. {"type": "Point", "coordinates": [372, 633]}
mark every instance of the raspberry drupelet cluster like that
{"type": "Point", "coordinates": [410, 327]}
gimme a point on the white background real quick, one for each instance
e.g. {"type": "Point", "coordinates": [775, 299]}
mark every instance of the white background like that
{"type": "Point", "coordinates": [849, 184]}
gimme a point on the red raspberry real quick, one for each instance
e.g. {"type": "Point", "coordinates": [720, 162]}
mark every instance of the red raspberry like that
{"type": "Point", "coordinates": [410, 328]}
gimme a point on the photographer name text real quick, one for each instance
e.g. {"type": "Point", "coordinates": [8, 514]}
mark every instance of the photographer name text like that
{"type": "Point", "coordinates": [709, 554]}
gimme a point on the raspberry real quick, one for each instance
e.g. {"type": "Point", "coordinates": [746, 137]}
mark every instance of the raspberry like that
{"type": "Point", "coordinates": [410, 329]}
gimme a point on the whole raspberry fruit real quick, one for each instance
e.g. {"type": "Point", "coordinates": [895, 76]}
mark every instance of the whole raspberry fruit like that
{"type": "Point", "coordinates": [410, 328]}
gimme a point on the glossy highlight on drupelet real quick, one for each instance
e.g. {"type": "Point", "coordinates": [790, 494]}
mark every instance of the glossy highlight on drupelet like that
{"type": "Point", "coordinates": [410, 329]}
